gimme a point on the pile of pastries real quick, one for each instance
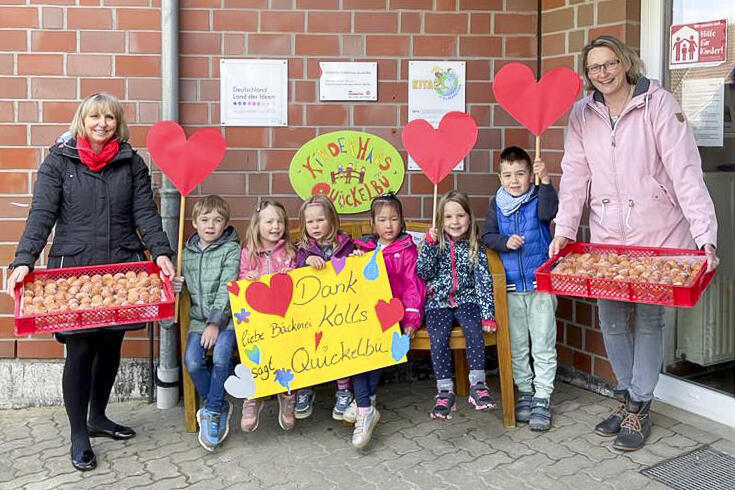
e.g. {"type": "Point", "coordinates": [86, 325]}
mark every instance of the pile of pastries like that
{"type": "Point", "coordinates": [87, 292]}
{"type": "Point", "coordinates": [659, 270]}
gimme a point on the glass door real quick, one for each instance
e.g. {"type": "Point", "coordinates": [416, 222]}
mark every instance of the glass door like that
{"type": "Point", "coordinates": [699, 365]}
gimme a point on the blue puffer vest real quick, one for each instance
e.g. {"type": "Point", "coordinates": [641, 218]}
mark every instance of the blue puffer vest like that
{"type": "Point", "coordinates": [520, 265]}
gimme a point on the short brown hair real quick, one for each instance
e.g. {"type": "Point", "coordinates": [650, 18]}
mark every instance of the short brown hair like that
{"type": "Point", "coordinates": [96, 102]}
{"type": "Point", "coordinates": [634, 66]}
{"type": "Point", "coordinates": [209, 204]}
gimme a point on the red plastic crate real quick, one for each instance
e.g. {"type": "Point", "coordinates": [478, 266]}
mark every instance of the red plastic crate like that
{"type": "Point", "coordinates": [619, 289]}
{"type": "Point", "coordinates": [97, 317]}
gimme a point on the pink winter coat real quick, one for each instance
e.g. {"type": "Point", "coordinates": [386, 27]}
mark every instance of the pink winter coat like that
{"type": "Point", "coordinates": [644, 177]}
{"type": "Point", "coordinates": [400, 262]}
{"type": "Point", "coordinates": [267, 262]}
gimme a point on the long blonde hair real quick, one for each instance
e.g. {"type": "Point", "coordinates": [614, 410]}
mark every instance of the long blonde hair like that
{"type": "Point", "coordinates": [473, 232]}
{"type": "Point", "coordinates": [329, 211]}
{"type": "Point", "coordinates": [252, 243]}
{"type": "Point", "coordinates": [97, 102]}
{"type": "Point", "coordinates": [634, 66]}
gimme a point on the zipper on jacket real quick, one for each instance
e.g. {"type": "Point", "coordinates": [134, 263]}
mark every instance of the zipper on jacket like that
{"type": "Point", "coordinates": [605, 202]}
{"type": "Point", "coordinates": [627, 216]}
{"type": "Point", "coordinates": [520, 257]}
{"type": "Point", "coordinates": [61, 266]}
{"type": "Point", "coordinates": [454, 273]}
{"type": "Point", "coordinates": [201, 288]}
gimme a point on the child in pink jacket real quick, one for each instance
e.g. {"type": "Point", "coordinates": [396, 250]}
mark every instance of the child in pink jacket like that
{"type": "Point", "coordinates": [400, 255]}
{"type": "Point", "coordinates": [267, 249]}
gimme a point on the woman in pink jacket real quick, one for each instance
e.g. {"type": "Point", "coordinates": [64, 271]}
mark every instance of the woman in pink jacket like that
{"type": "Point", "coordinates": [631, 154]}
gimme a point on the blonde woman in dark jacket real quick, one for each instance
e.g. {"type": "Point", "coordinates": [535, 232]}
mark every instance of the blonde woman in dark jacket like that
{"type": "Point", "coordinates": [96, 191]}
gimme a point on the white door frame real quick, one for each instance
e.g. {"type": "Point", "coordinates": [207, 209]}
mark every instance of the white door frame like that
{"type": "Point", "coordinates": [670, 389]}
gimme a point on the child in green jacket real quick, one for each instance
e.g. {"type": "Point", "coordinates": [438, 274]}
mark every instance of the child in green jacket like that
{"type": "Point", "coordinates": [210, 260]}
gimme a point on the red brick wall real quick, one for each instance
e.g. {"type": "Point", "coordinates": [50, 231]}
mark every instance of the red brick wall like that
{"type": "Point", "coordinates": [567, 25]}
{"type": "Point", "coordinates": [52, 54]}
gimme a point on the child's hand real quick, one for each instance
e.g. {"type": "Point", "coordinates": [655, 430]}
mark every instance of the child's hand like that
{"type": "Point", "coordinates": [410, 331]}
{"type": "Point", "coordinates": [252, 275]}
{"type": "Point", "coordinates": [177, 283]}
{"type": "Point", "coordinates": [432, 235]}
{"type": "Point", "coordinates": [515, 242]}
{"type": "Point", "coordinates": [209, 336]}
{"type": "Point", "coordinates": [539, 169]}
{"type": "Point", "coordinates": [316, 262]}
{"type": "Point", "coordinates": [357, 253]}
{"type": "Point", "coordinates": [284, 270]}
{"type": "Point", "coordinates": [489, 326]}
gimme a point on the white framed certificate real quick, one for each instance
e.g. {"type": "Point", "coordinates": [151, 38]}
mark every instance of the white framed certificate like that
{"type": "Point", "coordinates": [253, 92]}
{"type": "Point", "coordinates": [348, 81]}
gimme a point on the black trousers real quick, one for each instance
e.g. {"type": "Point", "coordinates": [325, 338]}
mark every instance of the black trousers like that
{"type": "Point", "coordinates": [92, 360]}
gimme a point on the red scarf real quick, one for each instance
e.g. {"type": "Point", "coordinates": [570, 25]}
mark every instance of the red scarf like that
{"type": "Point", "coordinates": [97, 161]}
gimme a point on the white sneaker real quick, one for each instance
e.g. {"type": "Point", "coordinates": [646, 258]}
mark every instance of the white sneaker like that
{"type": "Point", "coordinates": [350, 414]}
{"type": "Point", "coordinates": [364, 425]}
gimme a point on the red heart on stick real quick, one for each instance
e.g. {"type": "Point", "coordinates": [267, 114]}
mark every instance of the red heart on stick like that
{"type": "Point", "coordinates": [389, 313]}
{"type": "Point", "coordinates": [438, 151]}
{"type": "Point", "coordinates": [273, 299]}
{"type": "Point", "coordinates": [536, 105]}
{"type": "Point", "coordinates": [186, 162]}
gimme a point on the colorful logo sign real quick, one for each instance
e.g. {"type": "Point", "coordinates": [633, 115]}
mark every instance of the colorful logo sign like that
{"type": "Point", "coordinates": [311, 326]}
{"type": "Point", "coordinates": [445, 84]}
{"type": "Point", "coordinates": [349, 167]}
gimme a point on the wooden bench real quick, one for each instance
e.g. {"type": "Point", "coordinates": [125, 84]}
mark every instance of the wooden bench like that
{"type": "Point", "coordinates": [420, 342]}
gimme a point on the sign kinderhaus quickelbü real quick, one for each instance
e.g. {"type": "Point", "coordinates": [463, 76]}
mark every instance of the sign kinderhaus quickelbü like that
{"type": "Point", "coordinates": [351, 168]}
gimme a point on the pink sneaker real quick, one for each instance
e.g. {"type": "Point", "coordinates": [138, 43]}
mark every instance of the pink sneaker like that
{"type": "Point", "coordinates": [286, 407]}
{"type": "Point", "coordinates": [251, 415]}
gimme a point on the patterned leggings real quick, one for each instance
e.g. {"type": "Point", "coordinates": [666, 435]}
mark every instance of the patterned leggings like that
{"type": "Point", "coordinates": [439, 324]}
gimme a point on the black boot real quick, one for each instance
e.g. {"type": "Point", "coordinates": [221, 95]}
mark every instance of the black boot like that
{"type": "Point", "coordinates": [635, 428]}
{"type": "Point", "coordinates": [611, 425]}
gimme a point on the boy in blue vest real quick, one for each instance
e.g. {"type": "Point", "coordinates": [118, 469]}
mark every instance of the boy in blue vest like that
{"type": "Point", "coordinates": [517, 227]}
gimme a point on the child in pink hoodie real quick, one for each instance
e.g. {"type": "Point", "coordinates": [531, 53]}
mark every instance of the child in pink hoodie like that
{"type": "Point", "coordinates": [267, 249]}
{"type": "Point", "coordinates": [400, 255]}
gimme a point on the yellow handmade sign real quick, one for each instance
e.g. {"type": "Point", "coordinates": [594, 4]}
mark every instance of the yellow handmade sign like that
{"type": "Point", "coordinates": [311, 326]}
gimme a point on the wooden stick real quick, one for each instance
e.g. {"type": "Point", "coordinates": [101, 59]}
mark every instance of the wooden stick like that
{"type": "Point", "coordinates": [179, 247]}
{"type": "Point", "coordinates": [433, 214]}
{"type": "Point", "coordinates": [538, 155]}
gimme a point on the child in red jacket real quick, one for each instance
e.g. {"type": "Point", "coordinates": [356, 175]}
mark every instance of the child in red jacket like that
{"type": "Point", "coordinates": [400, 255]}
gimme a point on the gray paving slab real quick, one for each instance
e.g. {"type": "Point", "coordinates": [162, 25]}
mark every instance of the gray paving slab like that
{"type": "Point", "coordinates": [409, 450]}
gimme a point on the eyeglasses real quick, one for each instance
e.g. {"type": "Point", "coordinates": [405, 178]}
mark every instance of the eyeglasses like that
{"type": "Point", "coordinates": [608, 66]}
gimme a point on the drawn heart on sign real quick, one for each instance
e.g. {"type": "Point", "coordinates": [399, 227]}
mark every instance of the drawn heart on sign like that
{"type": "Point", "coordinates": [234, 288]}
{"type": "Point", "coordinates": [536, 105]}
{"type": "Point", "coordinates": [187, 162]}
{"type": "Point", "coordinates": [399, 346]}
{"type": "Point", "coordinates": [318, 339]}
{"type": "Point", "coordinates": [253, 354]}
{"type": "Point", "coordinates": [273, 299]}
{"type": "Point", "coordinates": [338, 263]}
{"type": "Point", "coordinates": [241, 384]}
{"type": "Point", "coordinates": [438, 151]}
{"type": "Point", "coordinates": [389, 313]}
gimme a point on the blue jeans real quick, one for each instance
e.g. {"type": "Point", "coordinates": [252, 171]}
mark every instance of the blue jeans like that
{"type": "Point", "coordinates": [365, 385]}
{"type": "Point", "coordinates": [211, 385]}
{"type": "Point", "coordinates": [636, 361]}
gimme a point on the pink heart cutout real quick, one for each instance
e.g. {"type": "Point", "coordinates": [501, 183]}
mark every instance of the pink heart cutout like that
{"type": "Point", "coordinates": [438, 151]}
{"type": "Point", "coordinates": [186, 162]}
{"type": "Point", "coordinates": [536, 105]}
